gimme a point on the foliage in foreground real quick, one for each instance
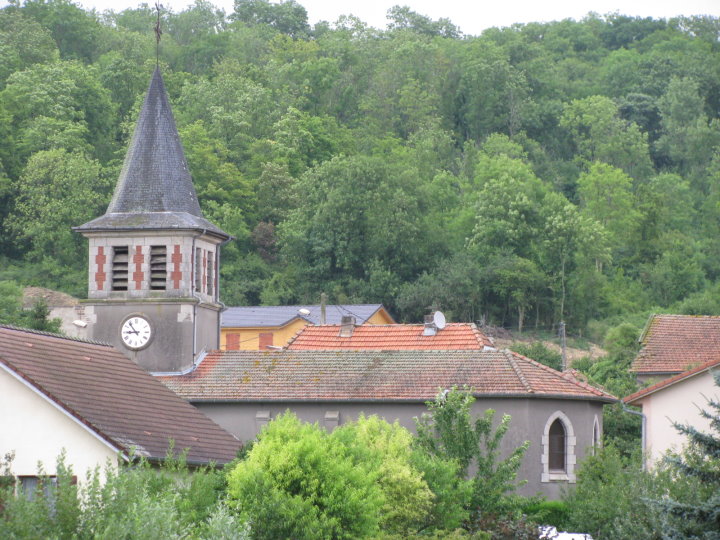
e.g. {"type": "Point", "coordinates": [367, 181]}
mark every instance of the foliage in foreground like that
{"type": "Point", "coordinates": [134, 501]}
{"type": "Point", "coordinates": [678, 499]}
{"type": "Point", "coordinates": [449, 433]}
{"type": "Point", "coordinates": [370, 478]}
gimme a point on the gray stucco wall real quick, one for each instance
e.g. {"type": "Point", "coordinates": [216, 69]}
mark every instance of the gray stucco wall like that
{"type": "Point", "coordinates": [529, 420]}
{"type": "Point", "coordinates": [171, 347]}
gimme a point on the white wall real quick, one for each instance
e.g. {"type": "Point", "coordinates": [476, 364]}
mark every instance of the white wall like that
{"type": "Point", "coordinates": [680, 402]}
{"type": "Point", "coordinates": [37, 431]}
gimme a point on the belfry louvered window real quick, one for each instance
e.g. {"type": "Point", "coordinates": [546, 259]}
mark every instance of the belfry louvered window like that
{"type": "Point", "coordinates": [198, 269]}
{"type": "Point", "coordinates": [210, 273]}
{"type": "Point", "coordinates": [158, 268]}
{"type": "Point", "coordinates": [120, 268]}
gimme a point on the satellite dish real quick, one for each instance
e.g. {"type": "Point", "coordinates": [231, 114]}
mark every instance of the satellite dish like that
{"type": "Point", "coordinates": [439, 320]}
{"type": "Point", "coordinates": [304, 312]}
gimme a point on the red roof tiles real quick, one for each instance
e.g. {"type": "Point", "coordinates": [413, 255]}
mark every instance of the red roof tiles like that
{"type": "Point", "coordinates": [390, 337]}
{"type": "Point", "coordinates": [371, 376]}
{"type": "Point", "coordinates": [674, 343]}
{"type": "Point", "coordinates": [672, 380]}
{"type": "Point", "coordinates": [113, 397]}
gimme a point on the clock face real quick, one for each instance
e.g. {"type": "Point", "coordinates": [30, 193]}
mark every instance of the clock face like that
{"type": "Point", "coordinates": [136, 332]}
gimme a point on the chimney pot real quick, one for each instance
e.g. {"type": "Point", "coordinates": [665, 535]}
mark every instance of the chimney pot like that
{"type": "Point", "coordinates": [347, 326]}
{"type": "Point", "coordinates": [430, 328]}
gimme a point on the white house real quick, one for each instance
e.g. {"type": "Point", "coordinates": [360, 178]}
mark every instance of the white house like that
{"type": "Point", "coordinates": [678, 399]}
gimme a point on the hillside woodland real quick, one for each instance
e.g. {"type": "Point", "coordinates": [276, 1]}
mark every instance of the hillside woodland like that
{"type": "Point", "coordinates": [544, 172]}
{"type": "Point", "coordinates": [531, 174]}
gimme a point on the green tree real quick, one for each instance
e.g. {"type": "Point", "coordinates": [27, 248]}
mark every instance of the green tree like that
{"type": "Point", "coordinates": [286, 16]}
{"type": "Point", "coordinates": [59, 105]}
{"type": "Point", "coordinates": [600, 134]}
{"type": "Point", "coordinates": [23, 42]}
{"type": "Point", "coordinates": [385, 451]}
{"type": "Point", "coordinates": [299, 482]}
{"type": "Point", "coordinates": [77, 32]}
{"type": "Point", "coordinates": [700, 461]}
{"type": "Point", "coordinates": [606, 196]}
{"type": "Point", "coordinates": [56, 191]}
{"type": "Point", "coordinates": [689, 137]}
{"type": "Point", "coordinates": [450, 432]}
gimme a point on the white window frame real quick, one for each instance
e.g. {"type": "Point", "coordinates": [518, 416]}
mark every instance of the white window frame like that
{"type": "Point", "coordinates": [568, 475]}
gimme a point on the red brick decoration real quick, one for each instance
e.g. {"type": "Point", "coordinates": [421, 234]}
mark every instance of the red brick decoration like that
{"type": "Point", "coordinates": [176, 274]}
{"type": "Point", "coordinates": [138, 274]}
{"type": "Point", "coordinates": [204, 268]}
{"type": "Point", "coordinates": [100, 275]}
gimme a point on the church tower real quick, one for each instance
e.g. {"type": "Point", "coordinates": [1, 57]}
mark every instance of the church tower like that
{"type": "Point", "coordinates": [154, 258]}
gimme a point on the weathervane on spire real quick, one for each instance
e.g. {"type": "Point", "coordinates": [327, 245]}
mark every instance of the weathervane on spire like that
{"type": "Point", "coordinates": [158, 33]}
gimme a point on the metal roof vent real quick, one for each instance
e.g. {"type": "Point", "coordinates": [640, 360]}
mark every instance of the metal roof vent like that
{"type": "Point", "coordinates": [347, 326]}
{"type": "Point", "coordinates": [434, 323]}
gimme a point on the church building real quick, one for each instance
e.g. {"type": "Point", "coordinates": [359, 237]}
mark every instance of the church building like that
{"type": "Point", "coordinates": [153, 269]}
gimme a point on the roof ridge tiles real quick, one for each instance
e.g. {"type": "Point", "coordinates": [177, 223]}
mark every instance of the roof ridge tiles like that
{"type": "Point", "coordinates": [521, 376]}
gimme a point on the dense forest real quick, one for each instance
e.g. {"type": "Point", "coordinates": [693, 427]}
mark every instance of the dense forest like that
{"type": "Point", "coordinates": [532, 174]}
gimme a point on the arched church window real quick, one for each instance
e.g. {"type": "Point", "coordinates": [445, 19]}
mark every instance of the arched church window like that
{"type": "Point", "coordinates": [558, 444]}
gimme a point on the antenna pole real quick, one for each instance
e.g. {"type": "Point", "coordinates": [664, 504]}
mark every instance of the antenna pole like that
{"type": "Point", "coordinates": [158, 33]}
{"type": "Point", "coordinates": [563, 345]}
{"type": "Point", "coordinates": [323, 302]}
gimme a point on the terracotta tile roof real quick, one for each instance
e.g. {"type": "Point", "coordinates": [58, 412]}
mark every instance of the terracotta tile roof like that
{"type": "Point", "coordinates": [112, 396]}
{"type": "Point", "coordinates": [390, 337]}
{"type": "Point", "coordinates": [670, 381]}
{"type": "Point", "coordinates": [271, 316]}
{"type": "Point", "coordinates": [674, 343]}
{"type": "Point", "coordinates": [371, 376]}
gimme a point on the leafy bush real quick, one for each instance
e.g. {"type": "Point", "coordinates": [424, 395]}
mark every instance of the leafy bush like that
{"type": "Point", "coordinates": [300, 482]}
{"type": "Point", "coordinates": [539, 352]}
{"type": "Point", "coordinates": [138, 502]}
{"type": "Point", "coordinates": [450, 433]}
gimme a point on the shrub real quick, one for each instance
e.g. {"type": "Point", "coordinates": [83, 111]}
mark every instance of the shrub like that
{"type": "Point", "coordinates": [299, 482]}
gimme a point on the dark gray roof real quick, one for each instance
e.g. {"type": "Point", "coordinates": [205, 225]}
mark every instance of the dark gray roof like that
{"type": "Point", "coordinates": [155, 189]}
{"type": "Point", "coordinates": [251, 316]}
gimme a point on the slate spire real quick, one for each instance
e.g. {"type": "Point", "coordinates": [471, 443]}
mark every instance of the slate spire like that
{"type": "Point", "coordinates": [155, 189]}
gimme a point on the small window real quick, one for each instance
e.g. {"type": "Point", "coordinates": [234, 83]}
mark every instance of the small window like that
{"type": "Point", "coordinates": [31, 486]}
{"type": "Point", "coordinates": [158, 268]}
{"type": "Point", "coordinates": [210, 274]}
{"type": "Point", "coordinates": [332, 420]}
{"type": "Point", "coordinates": [198, 270]}
{"type": "Point", "coordinates": [557, 446]}
{"type": "Point", "coordinates": [261, 420]}
{"type": "Point", "coordinates": [120, 268]}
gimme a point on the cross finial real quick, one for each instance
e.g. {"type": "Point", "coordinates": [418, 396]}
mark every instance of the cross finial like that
{"type": "Point", "coordinates": [158, 33]}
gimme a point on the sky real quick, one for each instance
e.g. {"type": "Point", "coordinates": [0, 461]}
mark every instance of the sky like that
{"type": "Point", "coordinates": [471, 16]}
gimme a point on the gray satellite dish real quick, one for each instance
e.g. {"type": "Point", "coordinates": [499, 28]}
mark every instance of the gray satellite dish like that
{"type": "Point", "coordinates": [439, 320]}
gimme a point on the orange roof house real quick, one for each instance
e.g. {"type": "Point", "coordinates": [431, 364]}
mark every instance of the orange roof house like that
{"type": "Point", "coordinates": [256, 328]}
{"type": "Point", "coordinates": [672, 344]}
{"type": "Point", "coordinates": [390, 337]}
